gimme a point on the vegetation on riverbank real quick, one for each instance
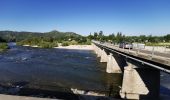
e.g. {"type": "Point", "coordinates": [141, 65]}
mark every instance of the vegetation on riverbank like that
{"type": "Point", "coordinates": [44, 40]}
{"type": "Point", "coordinates": [3, 47]}
{"type": "Point", "coordinates": [163, 44]}
{"type": "Point", "coordinates": [39, 42]}
{"type": "Point", "coordinates": [119, 37]}
{"type": "Point", "coordinates": [54, 38]}
{"type": "Point", "coordinates": [50, 43]}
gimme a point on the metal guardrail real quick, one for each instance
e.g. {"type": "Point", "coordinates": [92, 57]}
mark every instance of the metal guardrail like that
{"type": "Point", "coordinates": [129, 57]}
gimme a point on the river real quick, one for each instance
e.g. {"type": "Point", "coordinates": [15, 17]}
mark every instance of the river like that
{"type": "Point", "coordinates": [57, 73]}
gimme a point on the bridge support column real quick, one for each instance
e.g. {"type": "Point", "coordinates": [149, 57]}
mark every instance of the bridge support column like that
{"type": "Point", "coordinates": [140, 83]}
{"type": "Point", "coordinates": [97, 50]}
{"type": "Point", "coordinates": [104, 56]}
{"type": "Point", "coordinates": [112, 65]}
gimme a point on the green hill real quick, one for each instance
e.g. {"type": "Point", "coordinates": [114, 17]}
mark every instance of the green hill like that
{"type": "Point", "coordinates": [43, 40]}
{"type": "Point", "coordinates": [56, 35]}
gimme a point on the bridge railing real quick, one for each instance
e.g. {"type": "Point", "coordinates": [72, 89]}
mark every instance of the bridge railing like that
{"type": "Point", "coordinates": [130, 53]}
{"type": "Point", "coordinates": [137, 51]}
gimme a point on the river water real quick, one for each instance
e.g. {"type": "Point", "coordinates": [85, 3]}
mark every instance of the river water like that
{"type": "Point", "coordinates": [57, 73]}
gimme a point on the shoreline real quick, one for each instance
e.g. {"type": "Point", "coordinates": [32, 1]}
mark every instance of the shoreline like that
{"type": "Point", "coordinates": [73, 47]}
{"type": "Point", "coordinates": [76, 47]}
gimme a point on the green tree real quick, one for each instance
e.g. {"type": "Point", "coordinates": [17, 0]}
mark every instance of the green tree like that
{"type": "Point", "coordinates": [167, 38]}
{"type": "Point", "coordinates": [95, 35]}
{"type": "Point", "coordinates": [91, 37]}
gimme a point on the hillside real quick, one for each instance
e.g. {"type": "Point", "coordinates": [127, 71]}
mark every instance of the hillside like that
{"type": "Point", "coordinates": [19, 36]}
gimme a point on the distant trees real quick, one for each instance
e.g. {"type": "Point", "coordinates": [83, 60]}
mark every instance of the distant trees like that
{"type": "Point", "coordinates": [119, 37]}
{"type": "Point", "coordinates": [48, 36]}
{"type": "Point", "coordinates": [50, 39]}
{"type": "Point", "coordinates": [95, 36]}
{"type": "Point", "coordinates": [2, 40]}
{"type": "Point", "coordinates": [111, 37]}
{"type": "Point", "coordinates": [101, 37]}
{"type": "Point", "coordinates": [167, 38]}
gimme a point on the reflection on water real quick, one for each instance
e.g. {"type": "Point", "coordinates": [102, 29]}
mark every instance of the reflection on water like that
{"type": "Point", "coordinates": [113, 84]}
{"type": "Point", "coordinates": [26, 71]}
{"type": "Point", "coordinates": [165, 86]}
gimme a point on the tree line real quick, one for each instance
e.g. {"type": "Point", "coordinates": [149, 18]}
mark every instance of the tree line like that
{"type": "Point", "coordinates": [44, 40]}
{"type": "Point", "coordinates": [51, 39]}
{"type": "Point", "coordinates": [119, 37]}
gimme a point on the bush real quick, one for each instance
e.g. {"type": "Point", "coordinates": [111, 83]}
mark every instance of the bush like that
{"type": "Point", "coordinates": [55, 44]}
{"type": "Point", "coordinates": [73, 42]}
{"type": "Point", "coordinates": [3, 46]}
{"type": "Point", "coordinates": [45, 45]}
{"type": "Point", "coordinates": [65, 43]}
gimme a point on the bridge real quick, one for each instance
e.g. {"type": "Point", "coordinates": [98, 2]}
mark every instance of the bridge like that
{"type": "Point", "coordinates": [140, 69]}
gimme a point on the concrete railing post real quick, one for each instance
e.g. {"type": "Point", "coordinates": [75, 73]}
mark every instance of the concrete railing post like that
{"type": "Point", "coordinates": [153, 48]}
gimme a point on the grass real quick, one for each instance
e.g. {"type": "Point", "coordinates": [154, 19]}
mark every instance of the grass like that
{"type": "Point", "coordinates": [158, 44]}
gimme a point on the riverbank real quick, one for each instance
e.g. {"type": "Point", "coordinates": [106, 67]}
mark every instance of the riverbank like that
{"type": "Point", "coordinates": [79, 47]}
{"type": "Point", "coordinates": [11, 97]}
{"type": "Point", "coordinates": [35, 46]}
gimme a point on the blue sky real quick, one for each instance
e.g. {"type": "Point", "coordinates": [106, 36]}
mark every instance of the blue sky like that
{"type": "Point", "coordinates": [131, 17]}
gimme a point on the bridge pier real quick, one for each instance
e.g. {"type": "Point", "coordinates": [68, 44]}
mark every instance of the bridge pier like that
{"type": "Point", "coordinates": [140, 83]}
{"type": "Point", "coordinates": [97, 50]}
{"type": "Point", "coordinates": [112, 65]}
{"type": "Point", "coordinates": [104, 56]}
{"type": "Point", "coordinates": [141, 79]}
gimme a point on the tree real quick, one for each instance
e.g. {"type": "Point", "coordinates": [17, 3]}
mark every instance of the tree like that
{"type": "Point", "coordinates": [119, 37]}
{"type": "Point", "coordinates": [167, 38]}
{"type": "Point", "coordinates": [95, 35]}
{"type": "Point", "coordinates": [2, 40]}
{"type": "Point", "coordinates": [101, 36]}
{"type": "Point", "coordinates": [142, 38]}
{"type": "Point", "coordinates": [111, 37]}
{"type": "Point", "coordinates": [91, 37]}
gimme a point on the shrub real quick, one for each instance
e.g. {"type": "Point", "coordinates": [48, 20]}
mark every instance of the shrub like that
{"type": "Point", "coordinates": [45, 45]}
{"type": "Point", "coordinates": [55, 44]}
{"type": "Point", "coordinates": [65, 43]}
{"type": "Point", "coordinates": [73, 42]}
{"type": "Point", "coordinates": [3, 46]}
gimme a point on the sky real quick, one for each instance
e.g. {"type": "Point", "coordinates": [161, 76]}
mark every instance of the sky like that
{"type": "Point", "coordinates": [131, 17]}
